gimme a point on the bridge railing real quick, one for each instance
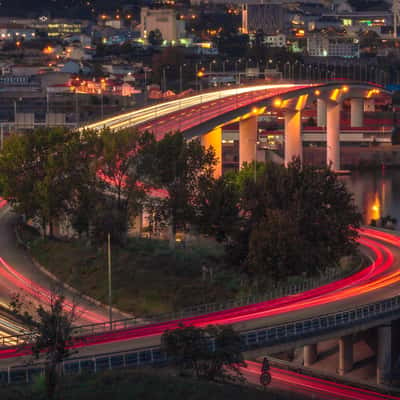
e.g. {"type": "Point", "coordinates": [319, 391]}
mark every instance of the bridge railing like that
{"type": "Point", "coordinates": [329, 275]}
{"type": "Point", "coordinates": [263, 337]}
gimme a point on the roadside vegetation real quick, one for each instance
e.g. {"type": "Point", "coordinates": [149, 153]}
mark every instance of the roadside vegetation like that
{"type": "Point", "coordinates": [151, 384]}
{"type": "Point", "coordinates": [248, 231]}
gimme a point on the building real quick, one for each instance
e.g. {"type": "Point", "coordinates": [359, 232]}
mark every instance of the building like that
{"type": "Point", "coordinates": [165, 20]}
{"type": "Point", "coordinates": [278, 40]}
{"type": "Point", "coordinates": [16, 33]}
{"type": "Point", "coordinates": [53, 28]}
{"type": "Point", "coordinates": [61, 28]}
{"type": "Point", "coordinates": [269, 18]}
{"type": "Point", "coordinates": [322, 45]}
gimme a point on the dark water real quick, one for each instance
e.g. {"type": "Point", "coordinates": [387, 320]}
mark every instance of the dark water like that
{"type": "Point", "coordinates": [376, 193]}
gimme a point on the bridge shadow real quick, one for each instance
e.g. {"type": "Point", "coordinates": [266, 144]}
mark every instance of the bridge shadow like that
{"type": "Point", "coordinates": [365, 362]}
{"type": "Point", "coordinates": [328, 352]}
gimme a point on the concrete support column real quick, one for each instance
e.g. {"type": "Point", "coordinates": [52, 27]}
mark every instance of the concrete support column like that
{"type": "Point", "coordinates": [369, 105]}
{"type": "Point", "coordinates": [214, 139]}
{"type": "Point", "coordinates": [345, 354]}
{"type": "Point", "coordinates": [384, 355]}
{"type": "Point", "coordinates": [138, 224]}
{"type": "Point", "coordinates": [356, 113]}
{"type": "Point", "coordinates": [333, 135]}
{"type": "Point", "coordinates": [293, 143]}
{"type": "Point", "coordinates": [310, 354]}
{"type": "Point", "coordinates": [247, 140]}
{"type": "Point", "coordinates": [321, 112]}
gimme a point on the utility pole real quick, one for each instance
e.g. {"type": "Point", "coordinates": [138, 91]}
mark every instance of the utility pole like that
{"type": "Point", "coordinates": [109, 278]}
{"type": "Point", "coordinates": [396, 16]}
{"type": "Point", "coordinates": [76, 108]}
{"type": "Point", "coordinates": [102, 104]}
{"type": "Point", "coordinates": [180, 79]}
{"type": "Point", "coordinates": [164, 80]}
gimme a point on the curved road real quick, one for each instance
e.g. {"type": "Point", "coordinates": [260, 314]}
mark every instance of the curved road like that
{"type": "Point", "coordinates": [19, 275]}
{"type": "Point", "coordinates": [378, 281]}
{"type": "Point", "coordinates": [310, 387]}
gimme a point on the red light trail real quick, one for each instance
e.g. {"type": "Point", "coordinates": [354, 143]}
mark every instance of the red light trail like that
{"type": "Point", "coordinates": [375, 276]}
{"type": "Point", "coordinates": [316, 386]}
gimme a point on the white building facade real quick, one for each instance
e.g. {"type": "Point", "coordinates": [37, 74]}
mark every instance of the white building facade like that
{"type": "Point", "coordinates": [165, 20]}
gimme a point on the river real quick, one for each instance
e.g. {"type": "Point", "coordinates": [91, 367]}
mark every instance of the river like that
{"type": "Point", "coordinates": [376, 193]}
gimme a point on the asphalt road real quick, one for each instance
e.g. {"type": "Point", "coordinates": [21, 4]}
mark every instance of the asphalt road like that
{"type": "Point", "coordinates": [18, 275]}
{"type": "Point", "coordinates": [379, 281]}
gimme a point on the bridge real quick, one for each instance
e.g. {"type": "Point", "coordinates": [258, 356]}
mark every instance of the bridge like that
{"type": "Point", "coordinates": [204, 115]}
{"type": "Point", "coordinates": [361, 302]}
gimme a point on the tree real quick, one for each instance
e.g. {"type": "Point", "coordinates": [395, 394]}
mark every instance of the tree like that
{"type": "Point", "coordinates": [276, 249]}
{"type": "Point", "coordinates": [155, 38]}
{"type": "Point", "coordinates": [38, 173]}
{"type": "Point", "coordinates": [213, 353]}
{"type": "Point", "coordinates": [117, 155]}
{"type": "Point", "coordinates": [311, 205]}
{"type": "Point", "coordinates": [179, 168]}
{"type": "Point", "coordinates": [218, 207]}
{"type": "Point", "coordinates": [53, 328]}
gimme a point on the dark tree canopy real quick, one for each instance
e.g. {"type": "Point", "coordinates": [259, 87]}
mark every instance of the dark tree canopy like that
{"type": "Point", "coordinates": [213, 353]}
{"type": "Point", "coordinates": [298, 219]}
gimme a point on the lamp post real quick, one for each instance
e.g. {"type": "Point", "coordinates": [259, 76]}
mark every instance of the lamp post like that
{"type": "Point", "coordinates": [164, 86]}
{"type": "Point", "coordinates": [255, 160]}
{"type": "Point", "coordinates": [76, 107]}
{"type": "Point", "coordinates": [211, 63]}
{"type": "Point", "coordinates": [145, 86]}
{"type": "Point", "coordinates": [180, 79]}
{"type": "Point", "coordinates": [101, 104]}
{"type": "Point", "coordinates": [109, 278]}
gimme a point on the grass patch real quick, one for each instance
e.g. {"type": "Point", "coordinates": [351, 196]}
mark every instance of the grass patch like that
{"type": "Point", "coordinates": [141, 384]}
{"type": "Point", "coordinates": [147, 276]}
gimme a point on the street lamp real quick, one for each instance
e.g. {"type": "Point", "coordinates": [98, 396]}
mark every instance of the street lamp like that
{"type": "Point", "coordinates": [255, 160]}
{"type": "Point", "coordinates": [211, 63]}
{"type": "Point", "coordinates": [199, 74]}
{"type": "Point", "coordinates": [109, 278]}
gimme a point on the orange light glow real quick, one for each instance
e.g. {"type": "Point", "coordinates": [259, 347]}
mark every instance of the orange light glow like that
{"type": "Point", "coordinates": [48, 50]}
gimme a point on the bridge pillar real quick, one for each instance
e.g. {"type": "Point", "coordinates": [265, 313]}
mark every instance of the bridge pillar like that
{"type": "Point", "coordinates": [214, 139]}
{"type": "Point", "coordinates": [248, 134]}
{"type": "Point", "coordinates": [345, 354]}
{"type": "Point", "coordinates": [321, 113]}
{"type": "Point", "coordinates": [384, 354]}
{"type": "Point", "coordinates": [369, 105]}
{"type": "Point", "coordinates": [310, 354]}
{"type": "Point", "coordinates": [356, 112]}
{"type": "Point", "coordinates": [137, 225]}
{"type": "Point", "coordinates": [333, 135]}
{"type": "Point", "coordinates": [293, 143]}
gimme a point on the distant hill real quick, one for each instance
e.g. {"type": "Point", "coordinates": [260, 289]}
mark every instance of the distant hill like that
{"type": "Point", "coordinates": [61, 8]}
{"type": "Point", "coordinates": [369, 5]}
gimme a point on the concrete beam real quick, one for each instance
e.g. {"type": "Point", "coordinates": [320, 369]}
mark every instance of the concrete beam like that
{"type": "Point", "coordinates": [321, 113]}
{"type": "Point", "coordinates": [310, 354]}
{"type": "Point", "coordinates": [214, 139]}
{"type": "Point", "coordinates": [356, 112]}
{"type": "Point", "coordinates": [293, 142]}
{"type": "Point", "coordinates": [345, 354]}
{"type": "Point", "coordinates": [248, 134]}
{"type": "Point", "coordinates": [333, 135]}
{"type": "Point", "coordinates": [384, 354]}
